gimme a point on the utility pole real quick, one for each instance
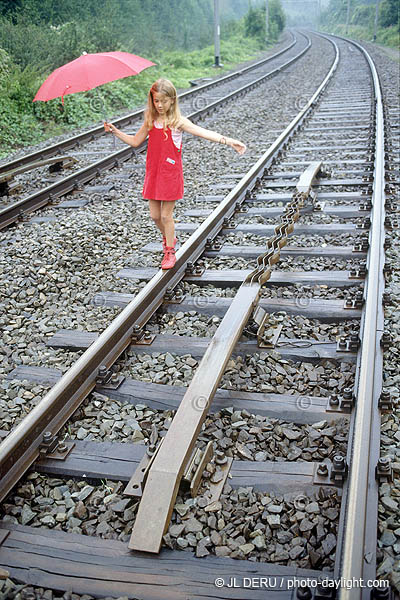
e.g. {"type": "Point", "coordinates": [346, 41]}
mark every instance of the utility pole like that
{"type": "Point", "coordinates": [266, 20]}
{"type": "Point", "coordinates": [376, 19]}
{"type": "Point", "coordinates": [348, 16]}
{"type": "Point", "coordinates": [216, 34]}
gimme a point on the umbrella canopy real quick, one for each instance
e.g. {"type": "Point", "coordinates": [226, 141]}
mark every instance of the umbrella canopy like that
{"type": "Point", "coordinates": [90, 70]}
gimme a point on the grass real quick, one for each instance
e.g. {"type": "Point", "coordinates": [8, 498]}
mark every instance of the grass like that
{"type": "Point", "coordinates": [386, 37]}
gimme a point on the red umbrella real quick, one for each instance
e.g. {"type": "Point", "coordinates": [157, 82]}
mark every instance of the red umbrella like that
{"type": "Point", "coordinates": [88, 71]}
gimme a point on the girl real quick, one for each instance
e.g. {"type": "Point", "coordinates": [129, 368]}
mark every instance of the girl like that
{"type": "Point", "coordinates": [163, 183]}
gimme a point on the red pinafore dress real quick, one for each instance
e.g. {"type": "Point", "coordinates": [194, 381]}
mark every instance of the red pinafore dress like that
{"type": "Point", "coordinates": [164, 174]}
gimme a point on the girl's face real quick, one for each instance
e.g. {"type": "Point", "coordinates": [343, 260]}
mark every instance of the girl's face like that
{"type": "Point", "coordinates": [162, 103]}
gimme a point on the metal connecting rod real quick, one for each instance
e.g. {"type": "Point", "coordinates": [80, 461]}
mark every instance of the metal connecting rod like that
{"type": "Point", "coordinates": [164, 477]}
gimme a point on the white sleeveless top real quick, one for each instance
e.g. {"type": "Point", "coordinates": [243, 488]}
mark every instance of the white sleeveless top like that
{"type": "Point", "coordinates": [176, 135]}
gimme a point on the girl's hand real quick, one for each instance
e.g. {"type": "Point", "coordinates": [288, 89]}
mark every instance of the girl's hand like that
{"type": "Point", "coordinates": [109, 127]}
{"type": "Point", "coordinates": [238, 146]}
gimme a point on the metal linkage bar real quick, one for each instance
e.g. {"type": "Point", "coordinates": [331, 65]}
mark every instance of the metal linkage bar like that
{"type": "Point", "coordinates": [358, 549]}
{"type": "Point", "coordinates": [20, 449]}
{"type": "Point", "coordinates": [164, 477]}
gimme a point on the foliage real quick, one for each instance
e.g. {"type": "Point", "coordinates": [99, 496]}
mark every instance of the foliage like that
{"type": "Point", "coordinates": [362, 14]}
{"type": "Point", "coordinates": [389, 14]}
{"type": "Point", "coordinates": [255, 22]}
{"type": "Point", "coordinates": [50, 33]}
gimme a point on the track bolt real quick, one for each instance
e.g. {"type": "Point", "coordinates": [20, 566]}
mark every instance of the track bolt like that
{"type": "Point", "coordinates": [384, 463]}
{"type": "Point", "coordinates": [47, 437]}
{"type": "Point", "coordinates": [381, 593]}
{"type": "Point", "coordinates": [385, 400]}
{"type": "Point", "coordinates": [151, 449]}
{"type": "Point", "coordinates": [220, 458]}
{"type": "Point", "coordinates": [303, 593]}
{"type": "Point", "coordinates": [322, 470]}
{"type": "Point", "coordinates": [339, 462]}
{"type": "Point", "coordinates": [386, 340]}
{"type": "Point", "coordinates": [386, 298]}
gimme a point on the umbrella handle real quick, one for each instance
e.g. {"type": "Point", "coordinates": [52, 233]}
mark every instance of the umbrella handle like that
{"type": "Point", "coordinates": [104, 114]}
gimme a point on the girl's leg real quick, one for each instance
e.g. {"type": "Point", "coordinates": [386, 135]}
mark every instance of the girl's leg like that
{"type": "Point", "coordinates": [167, 222]}
{"type": "Point", "coordinates": [155, 214]}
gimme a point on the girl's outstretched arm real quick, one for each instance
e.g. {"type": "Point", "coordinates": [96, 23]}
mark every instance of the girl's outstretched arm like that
{"type": "Point", "coordinates": [132, 140]}
{"type": "Point", "coordinates": [212, 136]}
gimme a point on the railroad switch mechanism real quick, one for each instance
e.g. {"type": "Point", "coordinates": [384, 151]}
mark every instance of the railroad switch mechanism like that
{"type": "Point", "coordinates": [168, 467]}
{"type": "Point", "coordinates": [200, 468]}
{"type": "Point", "coordinates": [194, 471]}
{"type": "Point", "coordinates": [269, 327]}
{"type": "Point", "coordinates": [135, 486]}
{"type": "Point", "coordinates": [52, 447]}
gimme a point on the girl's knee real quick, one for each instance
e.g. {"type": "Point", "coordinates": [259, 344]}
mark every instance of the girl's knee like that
{"type": "Point", "coordinates": [156, 217]}
{"type": "Point", "coordinates": [167, 219]}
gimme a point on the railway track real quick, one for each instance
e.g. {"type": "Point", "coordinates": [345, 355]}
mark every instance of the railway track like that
{"type": "Point", "coordinates": [312, 472]}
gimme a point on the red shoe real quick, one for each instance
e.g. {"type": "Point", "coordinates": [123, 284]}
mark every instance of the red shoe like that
{"type": "Point", "coordinates": [164, 243]}
{"type": "Point", "coordinates": [169, 259]}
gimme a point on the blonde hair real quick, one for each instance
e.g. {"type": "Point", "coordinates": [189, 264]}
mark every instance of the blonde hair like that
{"type": "Point", "coordinates": [173, 116]}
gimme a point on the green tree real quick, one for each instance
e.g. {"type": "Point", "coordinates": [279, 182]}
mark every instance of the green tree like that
{"type": "Point", "coordinates": [389, 13]}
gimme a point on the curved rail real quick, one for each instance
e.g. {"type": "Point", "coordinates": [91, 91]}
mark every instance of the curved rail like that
{"type": "Point", "coordinates": [359, 544]}
{"type": "Point", "coordinates": [20, 449]}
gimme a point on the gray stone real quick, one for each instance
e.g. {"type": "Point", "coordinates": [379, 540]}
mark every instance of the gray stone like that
{"type": "Point", "coordinates": [274, 521]}
{"type": "Point", "coordinates": [387, 538]}
{"type": "Point", "coordinates": [389, 503]}
{"type": "Point", "coordinates": [192, 525]}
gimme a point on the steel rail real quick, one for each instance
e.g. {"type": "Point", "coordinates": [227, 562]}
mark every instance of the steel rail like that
{"type": "Point", "coordinates": [358, 551]}
{"type": "Point", "coordinates": [11, 213]}
{"type": "Point", "coordinates": [96, 132]}
{"type": "Point", "coordinates": [21, 447]}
